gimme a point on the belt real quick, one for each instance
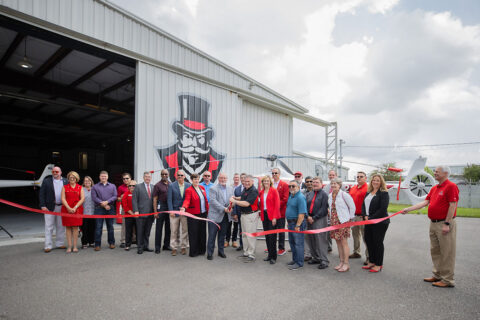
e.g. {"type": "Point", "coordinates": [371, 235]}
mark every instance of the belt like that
{"type": "Point", "coordinates": [439, 220]}
{"type": "Point", "coordinates": [58, 204]}
{"type": "Point", "coordinates": [249, 212]}
{"type": "Point", "coordinates": [291, 220]}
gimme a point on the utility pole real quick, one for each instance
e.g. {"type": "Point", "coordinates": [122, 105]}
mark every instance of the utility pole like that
{"type": "Point", "coordinates": [341, 158]}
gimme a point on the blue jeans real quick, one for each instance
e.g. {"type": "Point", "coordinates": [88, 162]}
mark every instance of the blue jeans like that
{"type": "Point", "coordinates": [296, 241]}
{"type": "Point", "coordinates": [99, 225]}
{"type": "Point", "coordinates": [212, 234]}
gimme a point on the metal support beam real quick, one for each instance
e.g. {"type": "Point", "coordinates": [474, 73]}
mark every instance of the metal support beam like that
{"type": "Point", "coordinates": [331, 159]}
{"type": "Point", "coordinates": [51, 62]}
{"type": "Point", "coordinates": [11, 48]}
{"type": "Point", "coordinates": [90, 73]}
{"type": "Point", "coordinates": [118, 85]}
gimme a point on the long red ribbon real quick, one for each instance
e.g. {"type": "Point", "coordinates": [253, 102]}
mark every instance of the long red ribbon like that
{"type": "Point", "coordinates": [315, 231]}
{"type": "Point", "coordinates": [109, 216]}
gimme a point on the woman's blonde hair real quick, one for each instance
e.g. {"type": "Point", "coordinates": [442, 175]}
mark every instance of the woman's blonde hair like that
{"type": "Point", "coordinates": [88, 178]}
{"type": "Point", "coordinates": [73, 173]}
{"type": "Point", "coordinates": [269, 180]}
{"type": "Point", "coordinates": [383, 185]}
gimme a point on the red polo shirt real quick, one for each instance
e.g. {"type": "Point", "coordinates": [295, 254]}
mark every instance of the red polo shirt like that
{"type": "Point", "coordinates": [358, 195]}
{"type": "Point", "coordinates": [440, 197]}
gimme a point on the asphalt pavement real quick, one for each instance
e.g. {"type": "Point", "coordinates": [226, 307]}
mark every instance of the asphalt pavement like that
{"type": "Point", "coordinates": [115, 284]}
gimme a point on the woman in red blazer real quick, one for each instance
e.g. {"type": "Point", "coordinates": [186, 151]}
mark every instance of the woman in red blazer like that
{"type": "Point", "coordinates": [196, 203]}
{"type": "Point", "coordinates": [269, 213]}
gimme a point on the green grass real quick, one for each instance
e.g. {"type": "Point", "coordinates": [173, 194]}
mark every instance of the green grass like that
{"type": "Point", "coordinates": [461, 212]}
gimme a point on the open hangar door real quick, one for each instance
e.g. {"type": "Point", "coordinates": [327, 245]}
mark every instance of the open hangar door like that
{"type": "Point", "coordinates": [63, 102]}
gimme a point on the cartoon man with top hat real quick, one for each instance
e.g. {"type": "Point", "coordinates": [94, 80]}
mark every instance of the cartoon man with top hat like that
{"type": "Point", "coordinates": [192, 152]}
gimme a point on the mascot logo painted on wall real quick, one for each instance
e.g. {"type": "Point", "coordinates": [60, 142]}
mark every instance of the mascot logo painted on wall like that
{"type": "Point", "coordinates": [192, 152]}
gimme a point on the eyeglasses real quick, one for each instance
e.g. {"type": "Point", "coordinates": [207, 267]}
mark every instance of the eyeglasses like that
{"type": "Point", "coordinates": [292, 187]}
{"type": "Point", "coordinates": [180, 175]}
{"type": "Point", "coordinates": [274, 173]}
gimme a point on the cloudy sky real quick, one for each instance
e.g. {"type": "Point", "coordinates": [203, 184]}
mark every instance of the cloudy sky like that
{"type": "Point", "coordinates": [390, 72]}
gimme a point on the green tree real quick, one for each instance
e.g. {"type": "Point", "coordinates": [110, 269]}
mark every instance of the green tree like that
{"type": "Point", "coordinates": [387, 175]}
{"type": "Point", "coordinates": [429, 171]}
{"type": "Point", "coordinates": [471, 173]}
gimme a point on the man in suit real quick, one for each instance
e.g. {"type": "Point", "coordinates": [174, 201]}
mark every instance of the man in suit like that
{"type": "Point", "coordinates": [175, 197]}
{"type": "Point", "coordinates": [160, 192]}
{"type": "Point", "coordinates": [284, 193]}
{"type": "Point", "coordinates": [142, 202]}
{"type": "Point", "coordinates": [219, 212]}
{"type": "Point", "coordinates": [237, 192]}
{"type": "Point", "coordinates": [50, 198]}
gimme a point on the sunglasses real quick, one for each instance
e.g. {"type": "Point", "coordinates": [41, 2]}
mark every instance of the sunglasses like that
{"type": "Point", "coordinates": [206, 176]}
{"type": "Point", "coordinates": [292, 187]}
{"type": "Point", "coordinates": [359, 177]}
{"type": "Point", "coordinates": [131, 186]}
{"type": "Point", "coordinates": [126, 178]}
{"type": "Point", "coordinates": [308, 181]}
{"type": "Point", "coordinates": [55, 171]}
{"type": "Point", "coordinates": [274, 173]}
{"type": "Point", "coordinates": [298, 176]}
{"type": "Point", "coordinates": [164, 174]}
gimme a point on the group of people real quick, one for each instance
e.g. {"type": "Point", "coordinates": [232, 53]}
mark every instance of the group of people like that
{"type": "Point", "coordinates": [298, 204]}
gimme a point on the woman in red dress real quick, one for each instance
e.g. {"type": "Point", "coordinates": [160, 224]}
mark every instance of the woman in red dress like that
{"type": "Point", "coordinates": [72, 200]}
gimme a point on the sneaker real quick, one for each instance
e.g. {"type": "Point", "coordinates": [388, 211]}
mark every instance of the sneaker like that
{"type": "Point", "coordinates": [122, 245]}
{"type": "Point", "coordinates": [265, 251]}
{"type": "Point", "coordinates": [295, 267]}
{"type": "Point", "coordinates": [281, 252]}
{"type": "Point", "coordinates": [291, 263]}
{"type": "Point", "coordinates": [249, 259]}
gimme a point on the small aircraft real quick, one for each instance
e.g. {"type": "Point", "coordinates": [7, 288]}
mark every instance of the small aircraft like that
{"type": "Point", "coordinates": [416, 184]}
{"type": "Point", "coordinates": [28, 183]}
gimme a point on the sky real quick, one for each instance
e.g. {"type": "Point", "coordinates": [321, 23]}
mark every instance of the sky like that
{"type": "Point", "coordinates": [390, 72]}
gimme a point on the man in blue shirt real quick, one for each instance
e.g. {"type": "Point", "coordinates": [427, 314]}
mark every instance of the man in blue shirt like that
{"type": "Point", "coordinates": [295, 215]}
{"type": "Point", "coordinates": [206, 183]}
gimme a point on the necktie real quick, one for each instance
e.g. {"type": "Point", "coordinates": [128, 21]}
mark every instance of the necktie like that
{"type": "Point", "coordinates": [148, 190]}
{"type": "Point", "coordinates": [313, 201]}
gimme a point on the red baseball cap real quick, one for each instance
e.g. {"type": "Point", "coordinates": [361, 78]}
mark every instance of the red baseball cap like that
{"type": "Point", "coordinates": [298, 173]}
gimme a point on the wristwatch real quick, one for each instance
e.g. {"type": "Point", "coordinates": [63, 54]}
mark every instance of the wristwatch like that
{"type": "Point", "coordinates": [447, 223]}
{"type": "Point", "coordinates": [297, 226]}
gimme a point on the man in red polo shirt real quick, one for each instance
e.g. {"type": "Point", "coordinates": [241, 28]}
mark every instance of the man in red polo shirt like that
{"type": "Point", "coordinates": [442, 209]}
{"type": "Point", "coordinates": [358, 193]}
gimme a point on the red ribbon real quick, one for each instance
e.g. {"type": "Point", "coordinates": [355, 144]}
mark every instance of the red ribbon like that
{"type": "Point", "coordinates": [109, 216]}
{"type": "Point", "coordinates": [315, 231]}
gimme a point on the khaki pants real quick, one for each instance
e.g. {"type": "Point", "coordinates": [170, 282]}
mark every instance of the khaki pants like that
{"type": "Point", "coordinates": [249, 224]}
{"type": "Point", "coordinates": [178, 238]}
{"type": "Point", "coordinates": [442, 249]}
{"type": "Point", "coordinates": [358, 235]}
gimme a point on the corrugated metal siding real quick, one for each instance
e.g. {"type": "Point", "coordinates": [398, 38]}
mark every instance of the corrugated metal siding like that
{"type": "Point", "coordinates": [103, 21]}
{"type": "Point", "coordinates": [241, 129]}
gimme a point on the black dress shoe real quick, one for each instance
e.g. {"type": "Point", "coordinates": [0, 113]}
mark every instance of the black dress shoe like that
{"type": "Point", "coordinates": [239, 248]}
{"type": "Point", "coordinates": [272, 261]}
{"type": "Point", "coordinates": [148, 250]}
{"type": "Point", "coordinates": [322, 266]}
{"type": "Point", "coordinates": [157, 251]}
{"type": "Point", "coordinates": [222, 255]}
{"type": "Point", "coordinates": [267, 259]}
{"type": "Point", "coordinates": [313, 262]}
{"type": "Point", "coordinates": [139, 251]}
{"type": "Point", "coordinates": [167, 248]}
{"type": "Point", "coordinates": [122, 245]}
{"type": "Point", "coordinates": [209, 257]}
